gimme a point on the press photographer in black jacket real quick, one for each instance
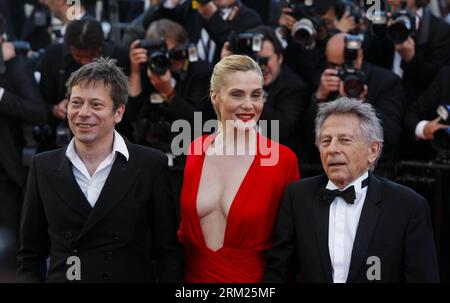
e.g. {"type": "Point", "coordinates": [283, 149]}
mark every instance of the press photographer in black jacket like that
{"type": "Point", "coordinates": [20, 102]}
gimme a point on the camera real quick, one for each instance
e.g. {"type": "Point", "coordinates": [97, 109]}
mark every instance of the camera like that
{"type": "Point", "coordinates": [352, 77]}
{"type": "Point", "coordinates": [308, 22]}
{"type": "Point", "coordinates": [402, 24]}
{"type": "Point", "coordinates": [246, 43]}
{"type": "Point", "coordinates": [159, 56]}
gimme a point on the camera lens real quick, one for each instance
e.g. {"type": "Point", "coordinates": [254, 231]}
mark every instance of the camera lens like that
{"type": "Point", "coordinates": [400, 30]}
{"type": "Point", "coordinates": [158, 63]}
{"type": "Point", "coordinates": [353, 86]}
{"type": "Point", "coordinates": [304, 33]}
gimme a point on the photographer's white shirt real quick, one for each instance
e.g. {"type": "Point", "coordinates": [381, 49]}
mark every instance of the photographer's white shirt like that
{"type": "Point", "coordinates": [92, 186]}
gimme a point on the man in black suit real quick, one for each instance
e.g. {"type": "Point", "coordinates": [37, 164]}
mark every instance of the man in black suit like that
{"type": "Point", "coordinates": [350, 225]}
{"type": "Point", "coordinates": [419, 58]}
{"type": "Point", "coordinates": [95, 207]}
{"type": "Point", "coordinates": [421, 119]}
{"type": "Point", "coordinates": [20, 102]}
{"type": "Point", "coordinates": [384, 91]}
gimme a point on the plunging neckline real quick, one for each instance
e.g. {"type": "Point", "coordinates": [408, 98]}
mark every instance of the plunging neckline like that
{"type": "Point", "coordinates": [235, 198]}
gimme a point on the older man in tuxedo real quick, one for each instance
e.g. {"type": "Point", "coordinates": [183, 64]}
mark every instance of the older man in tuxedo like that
{"type": "Point", "coordinates": [350, 225]}
{"type": "Point", "coordinates": [95, 206]}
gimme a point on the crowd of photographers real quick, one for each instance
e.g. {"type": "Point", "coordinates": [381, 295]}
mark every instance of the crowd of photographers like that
{"type": "Point", "coordinates": [391, 53]}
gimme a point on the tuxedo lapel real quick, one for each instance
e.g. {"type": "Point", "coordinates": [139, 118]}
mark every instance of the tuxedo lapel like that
{"type": "Point", "coordinates": [321, 220]}
{"type": "Point", "coordinates": [366, 227]}
{"type": "Point", "coordinates": [120, 179]}
{"type": "Point", "coordinates": [67, 188]}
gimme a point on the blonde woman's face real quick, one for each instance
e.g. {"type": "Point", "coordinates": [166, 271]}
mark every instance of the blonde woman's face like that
{"type": "Point", "coordinates": [240, 99]}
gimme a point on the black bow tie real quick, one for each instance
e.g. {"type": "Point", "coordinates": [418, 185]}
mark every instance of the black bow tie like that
{"type": "Point", "coordinates": [329, 195]}
{"type": "Point", "coordinates": [348, 195]}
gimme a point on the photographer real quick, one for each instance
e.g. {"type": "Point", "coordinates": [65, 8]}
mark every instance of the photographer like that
{"type": "Point", "coordinates": [421, 119]}
{"type": "Point", "coordinates": [208, 23]}
{"type": "Point", "coordinates": [305, 27]}
{"type": "Point", "coordinates": [164, 85]}
{"type": "Point", "coordinates": [286, 95]}
{"type": "Point", "coordinates": [83, 42]}
{"type": "Point", "coordinates": [20, 102]}
{"type": "Point", "coordinates": [361, 80]}
{"type": "Point", "coordinates": [417, 54]}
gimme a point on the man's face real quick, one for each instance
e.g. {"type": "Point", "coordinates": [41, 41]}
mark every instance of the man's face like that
{"type": "Point", "coordinates": [84, 56]}
{"type": "Point", "coordinates": [270, 71]}
{"type": "Point", "coordinates": [344, 154]}
{"type": "Point", "coordinates": [91, 113]}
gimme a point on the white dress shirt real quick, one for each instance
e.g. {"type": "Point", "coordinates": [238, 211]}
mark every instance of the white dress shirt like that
{"type": "Point", "coordinates": [92, 186]}
{"type": "Point", "coordinates": [343, 224]}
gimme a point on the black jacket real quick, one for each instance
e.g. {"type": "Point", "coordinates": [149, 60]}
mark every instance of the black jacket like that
{"type": "Point", "coordinates": [432, 52]}
{"type": "Point", "coordinates": [395, 225]}
{"type": "Point", "coordinates": [425, 107]}
{"type": "Point", "coordinates": [218, 29]}
{"type": "Point", "coordinates": [21, 102]}
{"type": "Point", "coordinates": [113, 239]}
{"type": "Point", "coordinates": [287, 100]}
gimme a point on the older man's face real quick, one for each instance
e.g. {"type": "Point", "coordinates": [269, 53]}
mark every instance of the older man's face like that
{"type": "Point", "coordinates": [344, 154]}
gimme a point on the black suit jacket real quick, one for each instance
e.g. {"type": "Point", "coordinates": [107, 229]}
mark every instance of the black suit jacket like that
{"type": "Point", "coordinates": [395, 225]}
{"type": "Point", "coordinates": [21, 102]}
{"type": "Point", "coordinates": [113, 239]}
{"type": "Point", "coordinates": [432, 52]}
{"type": "Point", "coordinates": [425, 107]}
{"type": "Point", "coordinates": [287, 101]}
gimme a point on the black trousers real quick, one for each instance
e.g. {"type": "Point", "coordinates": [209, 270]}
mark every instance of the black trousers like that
{"type": "Point", "coordinates": [10, 207]}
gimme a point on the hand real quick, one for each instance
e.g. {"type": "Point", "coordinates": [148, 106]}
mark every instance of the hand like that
{"type": "Point", "coordinates": [162, 83]}
{"type": "Point", "coordinates": [433, 126]}
{"type": "Point", "coordinates": [346, 23]}
{"type": "Point", "coordinates": [8, 51]}
{"type": "Point", "coordinates": [286, 20]}
{"type": "Point", "coordinates": [226, 50]}
{"type": "Point", "coordinates": [60, 110]}
{"type": "Point", "coordinates": [329, 82]}
{"type": "Point", "coordinates": [138, 56]}
{"type": "Point", "coordinates": [407, 49]}
{"type": "Point", "coordinates": [361, 97]}
{"type": "Point", "coordinates": [207, 10]}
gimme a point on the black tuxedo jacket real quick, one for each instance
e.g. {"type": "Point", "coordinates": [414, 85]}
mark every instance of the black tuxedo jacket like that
{"type": "Point", "coordinates": [21, 102]}
{"type": "Point", "coordinates": [395, 225]}
{"type": "Point", "coordinates": [116, 240]}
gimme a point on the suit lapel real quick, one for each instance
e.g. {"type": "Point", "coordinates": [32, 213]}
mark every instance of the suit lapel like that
{"type": "Point", "coordinates": [366, 227]}
{"type": "Point", "coordinates": [65, 185]}
{"type": "Point", "coordinates": [321, 220]}
{"type": "Point", "coordinates": [120, 179]}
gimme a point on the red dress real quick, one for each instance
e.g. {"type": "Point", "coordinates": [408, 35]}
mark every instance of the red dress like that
{"type": "Point", "coordinates": [250, 222]}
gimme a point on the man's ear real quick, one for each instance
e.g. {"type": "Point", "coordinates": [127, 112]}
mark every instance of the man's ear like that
{"type": "Point", "coordinates": [118, 114]}
{"type": "Point", "coordinates": [374, 151]}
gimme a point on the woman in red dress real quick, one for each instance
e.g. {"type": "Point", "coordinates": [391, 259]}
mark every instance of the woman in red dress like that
{"type": "Point", "coordinates": [233, 182]}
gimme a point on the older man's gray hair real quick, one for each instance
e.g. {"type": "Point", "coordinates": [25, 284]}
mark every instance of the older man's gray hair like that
{"type": "Point", "coordinates": [370, 131]}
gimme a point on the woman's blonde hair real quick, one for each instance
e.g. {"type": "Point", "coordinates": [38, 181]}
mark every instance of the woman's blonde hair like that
{"type": "Point", "coordinates": [229, 65]}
